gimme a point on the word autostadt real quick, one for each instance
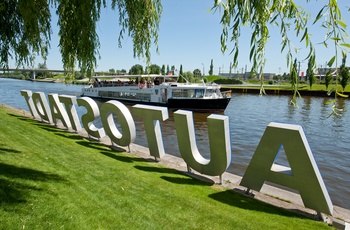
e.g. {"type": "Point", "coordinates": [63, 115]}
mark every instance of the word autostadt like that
{"type": "Point", "coordinates": [302, 175]}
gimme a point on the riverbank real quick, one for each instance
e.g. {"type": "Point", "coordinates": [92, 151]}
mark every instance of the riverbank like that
{"type": "Point", "coordinates": [276, 90]}
{"type": "Point", "coordinates": [115, 161]}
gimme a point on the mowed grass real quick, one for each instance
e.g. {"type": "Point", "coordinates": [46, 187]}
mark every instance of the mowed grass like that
{"type": "Point", "coordinates": [53, 179]}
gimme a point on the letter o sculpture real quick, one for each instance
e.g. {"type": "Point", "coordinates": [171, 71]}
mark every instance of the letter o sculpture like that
{"type": "Point", "coordinates": [124, 116]}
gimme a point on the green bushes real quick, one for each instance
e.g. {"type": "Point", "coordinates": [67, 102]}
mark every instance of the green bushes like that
{"type": "Point", "coordinates": [228, 81]}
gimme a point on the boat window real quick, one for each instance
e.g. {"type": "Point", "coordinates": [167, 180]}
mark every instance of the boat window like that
{"type": "Point", "coordinates": [198, 93]}
{"type": "Point", "coordinates": [177, 93]}
{"type": "Point", "coordinates": [209, 92]}
{"type": "Point", "coordinates": [183, 93]}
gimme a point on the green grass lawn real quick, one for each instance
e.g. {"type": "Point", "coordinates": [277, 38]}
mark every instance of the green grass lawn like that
{"type": "Point", "coordinates": [52, 179]}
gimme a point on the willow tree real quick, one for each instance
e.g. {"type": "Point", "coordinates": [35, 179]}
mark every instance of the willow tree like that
{"type": "Point", "coordinates": [26, 28]}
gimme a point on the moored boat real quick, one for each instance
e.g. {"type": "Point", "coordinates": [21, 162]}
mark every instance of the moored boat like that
{"type": "Point", "coordinates": [160, 90]}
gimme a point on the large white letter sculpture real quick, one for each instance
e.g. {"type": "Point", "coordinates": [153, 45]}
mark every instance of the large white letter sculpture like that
{"type": "Point", "coordinates": [127, 123]}
{"type": "Point", "coordinates": [27, 94]}
{"type": "Point", "coordinates": [69, 103]}
{"type": "Point", "coordinates": [58, 111]}
{"type": "Point", "coordinates": [88, 118]}
{"type": "Point", "coordinates": [151, 116]}
{"type": "Point", "coordinates": [219, 141]}
{"type": "Point", "coordinates": [42, 107]}
{"type": "Point", "coordinates": [303, 174]}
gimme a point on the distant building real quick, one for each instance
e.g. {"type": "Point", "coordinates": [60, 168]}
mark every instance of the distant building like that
{"type": "Point", "coordinates": [246, 75]}
{"type": "Point", "coordinates": [321, 72]}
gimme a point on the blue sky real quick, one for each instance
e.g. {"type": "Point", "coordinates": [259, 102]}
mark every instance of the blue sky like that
{"type": "Point", "coordinates": [189, 35]}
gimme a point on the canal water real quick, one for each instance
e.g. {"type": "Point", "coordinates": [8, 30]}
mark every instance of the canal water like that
{"type": "Point", "coordinates": [249, 116]}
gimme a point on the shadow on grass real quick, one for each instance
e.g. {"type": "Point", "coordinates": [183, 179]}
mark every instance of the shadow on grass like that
{"type": "Point", "coordinates": [44, 125]}
{"type": "Point", "coordinates": [70, 136]}
{"type": "Point", "coordinates": [12, 187]}
{"type": "Point", "coordinates": [7, 150]}
{"type": "Point", "coordinates": [158, 170]}
{"type": "Point", "coordinates": [188, 180]}
{"type": "Point", "coordinates": [50, 128]}
{"type": "Point", "coordinates": [23, 118]}
{"type": "Point", "coordinates": [238, 200]}
{"type": "Point", "coordinates": [126, 159]}
{"type": "Point", "coordinates": [97, 146]}
{"type": "Point", "coordinates": [13, 193]}
{"type": "Point", "coordinates": [11, 171]}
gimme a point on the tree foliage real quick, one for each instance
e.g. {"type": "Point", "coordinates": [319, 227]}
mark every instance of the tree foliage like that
{"type": "Point", "coordinates": [310, 74]}
{"type": "Point", "coordinates": [294, 75]}
{"type": "Point", "coordinates": [211, 67]}
{"type": "Point", "coordinates": [153, 69]}
{"type": "Point", "coordinates": [197, 73]}
{"type": "Point", "coordinates": [42, 66]}
{"type": "Point", "coordinates": [140, 20]}
{"type": "Point", "coordinates": [136, 69]}
{"type": "Point", "coordinates": [25, 31]}
{"type": "Point", "coordinates": [26, 28]}
{"type": "Point", "coordinates": [328, 78]}
{"type": "Point", "coordinates": [344, 73]}
{"type": "Point", "coordinates": [286, 15]}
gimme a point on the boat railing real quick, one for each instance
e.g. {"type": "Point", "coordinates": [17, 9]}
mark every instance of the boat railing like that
{"type": "Point", "coordinates": [113, 83]}
{"type": "Point", "coordinates": [141, 84]}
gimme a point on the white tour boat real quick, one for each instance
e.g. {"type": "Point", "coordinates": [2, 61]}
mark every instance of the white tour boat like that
{"type": "Point", "coordinates": [160, 90]}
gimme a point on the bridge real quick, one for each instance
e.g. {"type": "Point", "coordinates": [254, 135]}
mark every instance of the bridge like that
{"type": "Point", "coordinates": [32, 71]}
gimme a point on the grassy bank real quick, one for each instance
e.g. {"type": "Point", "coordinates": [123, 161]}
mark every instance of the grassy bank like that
{"type": "Point", "coordinates": [52, 179]}
{"type": "Point", "coordinates": [287, 86]}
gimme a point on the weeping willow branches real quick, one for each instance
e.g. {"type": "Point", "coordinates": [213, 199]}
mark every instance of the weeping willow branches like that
{"type": "Point", "coordinates": [258, 15]}
{"type": "Point", "coordinates": [78, 38]}
{"type": "Point", "coordinates": [26, 28]}
{"type": "Point", "coordinates": [140, 20]}
{"type": "Point", "coordinates": [290, 18]}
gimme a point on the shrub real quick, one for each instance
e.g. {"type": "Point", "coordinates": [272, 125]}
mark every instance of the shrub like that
{"type": "Point", "coordinates": [228, 81]}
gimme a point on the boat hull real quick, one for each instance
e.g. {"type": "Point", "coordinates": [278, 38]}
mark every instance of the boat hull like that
{"type": "Point", "coordinates": [199, 105]}
{"type": "Point", "coordinates": [192, 104]}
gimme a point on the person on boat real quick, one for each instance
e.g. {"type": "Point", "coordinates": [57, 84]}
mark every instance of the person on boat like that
{"type": "Point", "coordinates": [96, 82]}
{"type": "Point", "coordinates": [156, 81]}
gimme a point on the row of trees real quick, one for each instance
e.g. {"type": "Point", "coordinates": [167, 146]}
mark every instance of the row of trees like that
{"type": "Point", "coordinates": [156, 69]}
{"type": "Point", "coordinates": [194, 76]}
{"type": "Point", "coordinates": [153, 69]}
{"type": "Point", "coordinates": [341, 75]}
